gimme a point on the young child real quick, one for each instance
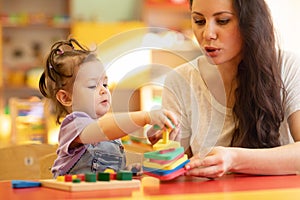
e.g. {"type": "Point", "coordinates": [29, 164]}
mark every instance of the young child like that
{"type": "Point", "coordinates": [89, 141]}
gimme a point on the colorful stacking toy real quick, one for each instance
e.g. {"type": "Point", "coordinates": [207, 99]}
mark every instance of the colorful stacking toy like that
{"type": "Point", "coordinates": [167, 161]}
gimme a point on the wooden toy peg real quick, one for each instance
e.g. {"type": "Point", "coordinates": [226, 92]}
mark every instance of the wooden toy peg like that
{"type": "Point", "coordinates": [165, 136]}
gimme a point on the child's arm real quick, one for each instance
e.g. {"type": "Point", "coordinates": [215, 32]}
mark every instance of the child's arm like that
{"type": "Point", "coordinates": [113, 126]}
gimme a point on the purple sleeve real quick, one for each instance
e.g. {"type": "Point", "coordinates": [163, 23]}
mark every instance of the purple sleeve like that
{"type": "Point", "coordinates": [71, 127]}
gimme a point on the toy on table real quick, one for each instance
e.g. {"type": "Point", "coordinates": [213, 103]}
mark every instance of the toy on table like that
{"type": "Point", "coordinates": [93, 181]}
{"type": "Point", "coordinates": [24, 184]}
{"type": "Point", "coordinates": [167, 161]}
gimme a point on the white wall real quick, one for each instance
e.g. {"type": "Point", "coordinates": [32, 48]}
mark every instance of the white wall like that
{"type": "Point", "coordinates": [286, 17]}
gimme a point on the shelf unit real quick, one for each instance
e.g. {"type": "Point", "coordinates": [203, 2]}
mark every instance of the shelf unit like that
{"type": "Point", "coordinates": [28, 120]}
{"type": "Point", "coordinates": [28, 29]}
{"type": "Point", "coordinates": [167, 14]}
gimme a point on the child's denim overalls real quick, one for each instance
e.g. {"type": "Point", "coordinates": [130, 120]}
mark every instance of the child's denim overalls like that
{"type": "Point", "coordinates": [100, 156]}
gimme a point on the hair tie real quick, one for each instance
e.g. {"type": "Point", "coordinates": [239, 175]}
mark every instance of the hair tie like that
{"type": "Point", "coordinates": [59, 52]}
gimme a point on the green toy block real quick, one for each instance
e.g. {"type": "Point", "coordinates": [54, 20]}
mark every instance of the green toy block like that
{"type": "Point", "coordinates": [164, 156]}
{"type": "Point", "coordinates": [103, 176]}
{"type": "Point", "coordinates": [76, 180]}
{"type": "Point", "coordinates": [124, 175]}
{"type": "Point", "coordinates": [90, 177]}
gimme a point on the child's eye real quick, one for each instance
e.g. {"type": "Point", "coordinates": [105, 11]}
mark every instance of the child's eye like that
{"type": "Point", "coordinates": [223, 21]}
{"type": "Point", "coordinates": [92, 87]}
{"type": "Point", "coordinates": [105, 85]}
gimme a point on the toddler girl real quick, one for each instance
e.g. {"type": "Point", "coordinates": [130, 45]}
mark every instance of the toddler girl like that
{"type": "Point", "coordinates": [89, 139]}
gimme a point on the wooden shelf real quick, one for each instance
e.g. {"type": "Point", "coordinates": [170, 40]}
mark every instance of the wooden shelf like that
{"type": "Point", "coordinates": [28, 29]}
{"type": "Point", "coordinates": [37, 26]}
{"type": "Point", "coordinates": [167, 6]}
{"type": "Point", "coordinates": [166, 14]}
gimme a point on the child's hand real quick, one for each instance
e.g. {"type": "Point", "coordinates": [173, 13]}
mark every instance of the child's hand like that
{"type": "Point", "coordinates": [155, 135]}
{"type": "Point", "coordinates": [162, 118]}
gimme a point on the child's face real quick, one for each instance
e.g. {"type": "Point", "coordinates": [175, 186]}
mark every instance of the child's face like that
{"type": "Point", "coordinates": [90, 91]}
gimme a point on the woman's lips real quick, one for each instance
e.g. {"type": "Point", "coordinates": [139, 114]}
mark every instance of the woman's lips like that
{"type": "Point", "coordinates": [212, 51]}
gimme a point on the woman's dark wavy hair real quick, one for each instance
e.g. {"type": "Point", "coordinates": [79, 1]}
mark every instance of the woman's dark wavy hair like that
{"type": "Point", "coordinates": [59, 71]}
{"type": "Point", "coordinates": [260, 94]}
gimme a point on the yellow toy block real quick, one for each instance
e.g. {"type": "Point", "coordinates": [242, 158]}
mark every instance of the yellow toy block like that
{"type": "Point", "coordinates": [160, 145]}
{"type": "Point", "coordinates": [109, 170]}
{"type": "Point", "coordinates": [60, 178]}
{"type": "Point", "coordinates": [165, 143]}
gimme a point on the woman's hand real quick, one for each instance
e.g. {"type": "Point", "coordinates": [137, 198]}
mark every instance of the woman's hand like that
{"type": "Point", "coordinates": [215, 164]}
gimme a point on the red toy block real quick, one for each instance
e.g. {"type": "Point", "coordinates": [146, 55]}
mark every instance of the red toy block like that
{"type": "Point", "coordinates": [166, 150]}
{"type": "Point", "coordinates": [167, 177]}
{"type": "Point", "coordinates": [68, 178]}
{"type": "Point", "coordinates": [81, 177]}
{"type": "Point", "coordinates": [113, 176]}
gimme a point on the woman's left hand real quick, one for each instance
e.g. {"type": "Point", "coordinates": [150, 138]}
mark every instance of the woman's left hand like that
{"type": "Point", "coordinates": [215, 164]}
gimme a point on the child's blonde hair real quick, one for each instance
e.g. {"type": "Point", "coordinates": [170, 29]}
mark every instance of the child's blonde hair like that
{"type": "Point", "coordinates": [60, 71]}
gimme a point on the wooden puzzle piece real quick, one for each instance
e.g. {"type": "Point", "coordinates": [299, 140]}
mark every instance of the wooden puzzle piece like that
{"type": "Point", "coordinates": [166, 150]}
{"type": "Point", "coordinates": [162, 172]}
{"type": "Point", "coordinates": [164, 156]}
{"type": "Point", "coordinates": [165, 143]}
{"type": "Point", "coordinates": [24, 184]}
{"type": "Point", "coordinates": [161, 145]}
{"type": "Point", "coordinates": [167, 177]}
{"type": "Point", "coordinates": [165, 162]}
{"type": "Point", "coordinates": [165, 136]}
{"type": "Point", "coordinates": [165, 167]}
{"type": "Point", "coordinates": [124, 175]}
{"type": "Point", "coordinates": [90, 177]}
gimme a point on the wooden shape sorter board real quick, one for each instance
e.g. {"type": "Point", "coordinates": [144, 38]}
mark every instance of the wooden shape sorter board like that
{"type": "Point", "coordinates": [88, 186]}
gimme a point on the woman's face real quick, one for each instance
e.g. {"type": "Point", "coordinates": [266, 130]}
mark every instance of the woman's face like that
{"type": "Point", "coordinates": [215, 25]}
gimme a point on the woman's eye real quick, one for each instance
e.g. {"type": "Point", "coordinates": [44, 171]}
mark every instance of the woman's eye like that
{"type": "Point", "coordinates": [105, 85]}
{"type": "Point", "coordinates": [223, 21]}
{"type": "Point", "coordinates": [199, 21]}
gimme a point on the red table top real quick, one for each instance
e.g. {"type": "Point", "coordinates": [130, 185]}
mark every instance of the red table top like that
{"type": "Point", "coordinates": [179, 186]}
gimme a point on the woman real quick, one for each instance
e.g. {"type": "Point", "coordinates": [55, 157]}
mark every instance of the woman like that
{"type": "Point", "coordinates": [241, 114]}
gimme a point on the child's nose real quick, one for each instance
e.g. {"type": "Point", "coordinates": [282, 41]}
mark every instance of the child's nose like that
{"type": "Point", "coordinates": [102, 90]}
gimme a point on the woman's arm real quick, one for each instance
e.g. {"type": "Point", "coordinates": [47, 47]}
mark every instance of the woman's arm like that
{"type": "Point", "coordinates": [272, 161]}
